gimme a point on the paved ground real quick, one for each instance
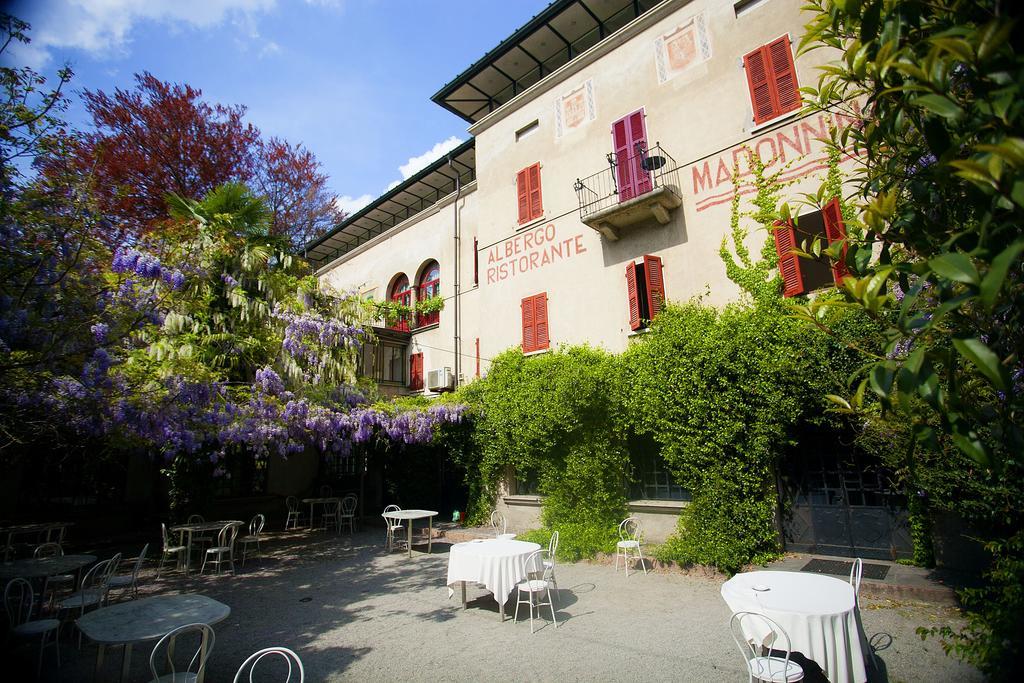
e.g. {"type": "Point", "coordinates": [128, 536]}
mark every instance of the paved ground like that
{"type": "Point", "coordinates": [353, 612]}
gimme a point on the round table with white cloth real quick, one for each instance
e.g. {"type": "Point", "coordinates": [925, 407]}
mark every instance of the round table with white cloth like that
{"type": "Point", "coordinates": [819, 613]}
{"type": "Point", "coordinates": [497, 564]}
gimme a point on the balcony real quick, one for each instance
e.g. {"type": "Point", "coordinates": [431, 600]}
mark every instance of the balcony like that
{"type": "Point", "coordinates": [631, 191]}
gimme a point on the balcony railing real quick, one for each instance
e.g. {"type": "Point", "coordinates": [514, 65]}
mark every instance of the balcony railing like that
{"type": "Point", "coordinates": [634, 188]}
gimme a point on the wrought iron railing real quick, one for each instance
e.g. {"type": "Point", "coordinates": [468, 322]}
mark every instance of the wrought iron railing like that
{"type": "Point", "coordinates": [626, 178]}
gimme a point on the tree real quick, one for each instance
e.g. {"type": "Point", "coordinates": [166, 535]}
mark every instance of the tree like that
{"type": "Point", "coordinates": [295, 188]}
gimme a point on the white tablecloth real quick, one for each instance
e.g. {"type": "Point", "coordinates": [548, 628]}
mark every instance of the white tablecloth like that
{"type": "Point", "coordinates": [497, 564]}
{"type": "Point", "coordinates": [819, 613]}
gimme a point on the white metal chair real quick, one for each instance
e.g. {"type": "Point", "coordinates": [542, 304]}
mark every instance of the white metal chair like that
{"type": "Point", "coordinates": [395, 528]}
{"type": "Point", "coordinates": [255, 529]}
{"type": "Point", "coordinates": [500, 526]}
{"type": "Point", "coordinates": [758, 639]}
{"type": "Point", "coordinates": [549, 562]}
{"type": "Point", "coordinates": [56, 582]}
{"type": "Point", "coordinates": [169, 549]}
{"type": "Point", "coordinates": [168, 644]}
{"type": "Point", "coordinates": [631, 536]}
{"type": "Point", "coordinates": [129, 583]}
{"type": "Point", "coordinates": [294, 513]}
{"type": "Point", "coordinates": [855, 571]}
{"type": "Point", "coordinates": [291, 660]}
{"type": "Point", "coordinates": [332, 516]}
{"type": "Point", "coordinates": [18, 603]}
{"type": "Point", "coordinates": [531, 587]}
{"type": "Point", "coordinates": [224, 550]}
{"type": "Point", "coordinates": [348, 512]}
{"type": "Point", "coordinates": [326, 491]}
{"type": "Point", "coordinates": [92, 592]}
{"type": "Point", "coordinates": [199, 539]}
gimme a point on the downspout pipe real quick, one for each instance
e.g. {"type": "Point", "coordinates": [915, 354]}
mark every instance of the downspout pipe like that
{"type": "Point", "coordinates": [457, 341]}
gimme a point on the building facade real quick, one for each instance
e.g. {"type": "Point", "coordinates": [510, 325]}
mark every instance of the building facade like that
{"type": "Point", "coordinates": [597, 183]}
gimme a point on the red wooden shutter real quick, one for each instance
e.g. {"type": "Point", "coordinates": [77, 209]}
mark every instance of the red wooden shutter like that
{"type": "Point", "coordinates": [523, 191]}
{"type": "Point", "coordinates": [536, 205]}
{"type": "Point", "coordinates": [529, 325]}
{"type": "Point", "coordinates": [627, 133]}
{"type": "Point", "coordinates": [623, 174]}
{"type": "Point", "coordinates": [637, 141]}
{"type": "Point", "coordinates": [634, 297]}
{"type": "Point", "coordinates": [783, 76]}
{"type": "Point", "coordinates": [835, 231]}
{"type": "Point", "coordinates": [540, 311]}
{"type": "Point", "coordinates": [789, 264]}
{"type": "Point", "coordinates": [655, 285]}
{"type": "Point", "coordinates": [416, 371]}
{"type": "Point", "coordinates": [756, 64]}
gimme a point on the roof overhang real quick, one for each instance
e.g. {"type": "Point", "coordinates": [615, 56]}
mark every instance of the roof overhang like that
{"type": "Point", "coordinates": [551, 39]}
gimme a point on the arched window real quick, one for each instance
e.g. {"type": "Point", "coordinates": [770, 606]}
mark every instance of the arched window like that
{"type": "Point", "coordinates": [429, 286]}
{"type": "Point", "coordinates": [400, 292]}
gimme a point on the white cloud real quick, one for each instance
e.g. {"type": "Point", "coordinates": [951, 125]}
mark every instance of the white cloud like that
{"type": "Point", "coordinates": [103, 26]}
{"type": "Point", "coordinates": [271, 48]}
{"type": "Point", "coordinates": [352, 204]}
{"type": "Point", "coordinates": [422, 161]}
{"type": "Point", "coordinates": [392, 186]}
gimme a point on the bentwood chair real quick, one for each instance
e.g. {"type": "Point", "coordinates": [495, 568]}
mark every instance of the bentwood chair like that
{"type": "Point", "coordinates": [395, 529]}
{"type": "Point", "coordinates": [326, 491]}
{"type": "Point", "coordinates": [169, 549]}
{"type": "Point", "coordinates": [199, 539]}
{"type": "Point", "coordinates": [631, 536]}
{"type": "Point", "coordinates": [168, 645]}
{"type": "Point", "coordinates": [129, 583]}
{"type": "Point", "coordinates": [549, 562]}
{"type": "Point", "coordinates": [291, 661]}
{"type": "Point", "coordinates": [223, 550]}
{"type": "Point", "coordinates": [92, 592]}
{"type": "Point", "coordinates": [348, 512]}
{"type": "Point", "coordinates": [332, 516]}
{"type": "Point", "coordinates": [534, 587]}
{"type": "Point", "coordinates": [18, 603]}
{"type": "Point", "coordinates": [255, 529]}
{"type": "Point", "coordinates": [294, 513]}
{"type": "Point", "coordinates": [500, 526]}
{"type": "Point", "coordinates": [855, 571]}
{"type": "Point", "coordinates": [761, 642]}
{"type": "Point", "coordinates": [56, 583]}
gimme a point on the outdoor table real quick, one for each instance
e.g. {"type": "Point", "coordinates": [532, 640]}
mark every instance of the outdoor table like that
{"type": "Point", "coordinates": [498, 564]}
{"type": "Point", "coordinates": [34, 528]}
{"type": "Point", "coordinates": [819, 613]}
{"type": "Point", "coordinates": [411, 515]}
{"type": "Point", "coordinates": [313, 502]}
{"type": "Point", "coordinates": [41, 568]}
{"type": "Point", "coordinates": [199, 528]}
{"type": "Point", "coordinates": [138, 621]}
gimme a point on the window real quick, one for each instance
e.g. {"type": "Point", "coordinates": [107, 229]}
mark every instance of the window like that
{"type": "Point", "coordinates": [535, 322]}
{"type": "Point", "coordinates": [654, 481]}
{"type": "Point", "coordinates": [340, 466]}
{"type": "Point", "coordinates": [527, 130]}
{"type": "Point", "coordinates": [401, 293]}
{"type": "Point", "coordinates": [801, 275]}
{"type": "Point", "coordinates": [528, 191]}
{"type": "Point", "coordinates": [429, 287]}
{"type": "Point", "coordinates": [527, 484]}
{"type": "Point", "coordinates": [384, 361]}
{"type": "Point", "coordinates": [629, 140]}
{"type": "Point", "coordinates": [645, 287]}
{"type": "Point", "coordinates": [771, 77]}
{"type": "Point", "coordinates": [416, 371]}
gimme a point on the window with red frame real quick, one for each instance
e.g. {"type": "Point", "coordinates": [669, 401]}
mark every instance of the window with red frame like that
{"type": "Point", "coordinates": [645, 287]}
{"type": "Point", "coordinates": [771, 78]}
{"type": "Point", "coordinates": [802, 275]}
{"type": "Point", "coordinates": [531, 205]}
{"type": "Point", "coordinates": [428, 287]}
{"type": "Point", "coordinates": [416, 371]}
{"type": "Point", "coordinates": [535, 322]}
{"type": "Point", "coordinates": [401, 293]}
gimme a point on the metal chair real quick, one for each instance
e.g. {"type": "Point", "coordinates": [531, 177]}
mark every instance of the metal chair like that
{"type": "Point", "coordinates": [758, 639]}
{"type": "Point", "coordinates": [130, 582]}
{"type": "Point", "coordinates": [393, 526]}
{"type": "Point", "coordinates": [92, 592]}
{"type": "Point", "coordinates": [255, 529]}
{"type": "Point", "coordinates": [169, 549]}
{"type": "Point", "coordinates": [534, 587]}
{"type": "Point", "coordinates": [500, 526]}
{"type": "Point", "coordinates": [326, 491]}
{"type": "Point", "coordinates": [855, 571]}
{"type": "Point", "coordinates": [18, 603]}
{"type": "Point", "coordinates": [294, 513]}
{"type": "Point", "coordinates": [549, 562]}
{"type": "Point", "coordinates": [332, 516]}
{"type": "Point", "coordinates": [348, 512]}
{"type": "Point", "coordinates": [57, 581]}
{"type": "Point", "coordinates": [290, 658]}
{"type": "Point", "coordinates": [168, 645]}
{"type": "Point", "coordinates": [200, 539]}
{"type": "Point", "coordinates": [631, 535]}
{"type": "Point", "coordinates": [224, 550]}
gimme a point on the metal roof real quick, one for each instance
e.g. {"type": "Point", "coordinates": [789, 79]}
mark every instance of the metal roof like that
{"type": "Point", "coordinates": [419, 192]}
{"type": "Point", "coordinates": [563, 30]}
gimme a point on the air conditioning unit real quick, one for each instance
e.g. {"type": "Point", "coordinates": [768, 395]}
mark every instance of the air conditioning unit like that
{"type": "Point", "coordinates": [441, 379]}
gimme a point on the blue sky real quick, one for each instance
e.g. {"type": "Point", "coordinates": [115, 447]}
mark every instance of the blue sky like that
{"type": "Point", "coordinates": [350, 79]}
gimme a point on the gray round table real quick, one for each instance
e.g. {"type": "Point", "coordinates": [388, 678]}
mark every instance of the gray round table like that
{"type": "Point", "coordinates": [39, 569]}
{"type": "Point", "coordinates": [147, 619]}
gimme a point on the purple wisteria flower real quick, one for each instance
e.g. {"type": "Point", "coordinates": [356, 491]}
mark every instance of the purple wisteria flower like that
{"type": "Point", "coordinates": [99, 332]}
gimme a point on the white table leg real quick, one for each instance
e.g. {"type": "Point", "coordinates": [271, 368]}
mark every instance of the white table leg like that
{"type": "Point", "coordinates": [430, 534]}
{"type": "Point", "coordinates": [501, 609]}
{"type": "Point", "coordinates": [464, 605]}
{"type": "Point", "coordinates": [99, 662]}
{"type": "Point", "coordinates": [410, 539]}
{"type": "Point", "coordinates": [126, 663]}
